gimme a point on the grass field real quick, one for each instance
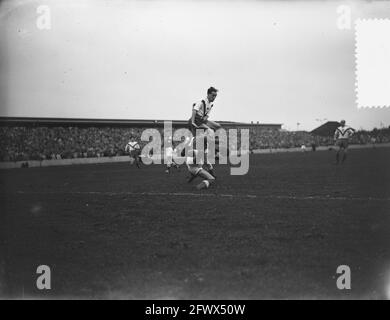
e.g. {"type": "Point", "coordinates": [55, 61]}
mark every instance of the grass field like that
{"type": "Point", "coordinates": [281, 231]}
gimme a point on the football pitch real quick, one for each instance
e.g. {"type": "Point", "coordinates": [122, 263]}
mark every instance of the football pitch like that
{"type": "Point", "coordinates": [281, 231]}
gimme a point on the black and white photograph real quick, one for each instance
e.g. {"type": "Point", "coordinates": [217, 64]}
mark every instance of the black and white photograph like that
{"type": "Point", "coordinates": [194, 155]}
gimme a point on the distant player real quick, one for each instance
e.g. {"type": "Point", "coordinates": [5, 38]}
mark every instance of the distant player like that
{"type": "Point", "coordinates": [170, 154]}
{"type": "Point", "coordinates": [197, 170]}
{"type": "Point", "coordinates": [341, 136]}
{"type": "Point", "coordinates": [134, 150]}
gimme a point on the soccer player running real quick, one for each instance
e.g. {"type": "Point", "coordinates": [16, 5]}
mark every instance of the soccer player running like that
{"type": "Point", "coordinates": [134, 150]}
{"type": "Point", "coordinates": [341, 136]}
{"type": "Point", "coordinates": [200, 120]}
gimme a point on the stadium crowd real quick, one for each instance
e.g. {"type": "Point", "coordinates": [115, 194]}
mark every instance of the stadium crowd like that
{"type": "Point", "coordinates": [43, 143]}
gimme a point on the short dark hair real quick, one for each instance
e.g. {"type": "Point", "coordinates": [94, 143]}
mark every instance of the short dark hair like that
{"type": "Point", "coordinates": [211, 90]}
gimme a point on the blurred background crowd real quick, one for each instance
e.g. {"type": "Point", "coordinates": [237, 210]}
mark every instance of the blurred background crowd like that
{"type": "Point", "coordinates": [44, 143]}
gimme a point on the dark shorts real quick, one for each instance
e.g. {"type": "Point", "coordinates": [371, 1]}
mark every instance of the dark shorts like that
{"type": "Point", "coordinates": [199, 121]}
{"type": "Point", "coordinates": [342, 143]}
{"type": "Point", "coordinates": [135, 153]}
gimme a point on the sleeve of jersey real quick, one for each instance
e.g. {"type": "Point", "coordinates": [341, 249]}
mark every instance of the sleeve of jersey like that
{"type": "Point", "coordinates": [197, 106]}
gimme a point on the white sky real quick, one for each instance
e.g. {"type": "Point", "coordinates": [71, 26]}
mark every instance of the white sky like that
{"type": "Point", "coordinates": [273, 61]}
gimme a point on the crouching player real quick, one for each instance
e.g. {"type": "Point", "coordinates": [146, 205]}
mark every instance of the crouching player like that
{"type": "Point", "coordinates": [196, 170]}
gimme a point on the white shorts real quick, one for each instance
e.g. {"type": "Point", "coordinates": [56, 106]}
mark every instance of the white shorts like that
{"type": "Point", "coordinates": [194, 169]}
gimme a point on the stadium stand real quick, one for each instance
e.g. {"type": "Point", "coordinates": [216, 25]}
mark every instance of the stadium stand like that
{"type": "Point", "coordinates": [43, 139]}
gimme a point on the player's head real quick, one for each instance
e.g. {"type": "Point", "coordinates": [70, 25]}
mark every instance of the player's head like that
{"type": "Point", "coordinates": [211, 94]}
{"type": "Point", "coordinates": [342, 122]}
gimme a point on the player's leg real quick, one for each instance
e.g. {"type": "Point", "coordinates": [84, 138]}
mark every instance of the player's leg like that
{"type": "Point", "coordinates": [344, 156]}
{"type": "Point", "coordinates": [207, 130]}
{"type": "Point", "coordinates": [200, 124]}
{"type": "Point", "coordinates": [338, 152]}
{"type": "Point", "coordinates": [176, 165]}
{"type": "Point", "coordinates": [170, 164]}
{"type": "Point", "coordinates": [213, 125]}
{"type": "Point", "coordinates": [132, 157]}
{"type": "Point", "coordinates": [210, 169]}
{"type": "Point", "coordinates": [205, 125]}
{"type": "Point", "coordinates": [345, 148]}
{"type": "Point", "coordinates": [193, 173]}
{"type": "Point", "coordinates": [208, 179]}
{"type": "Point", "coordinates": [207, 152]}
{"type": "Point", "coordinates": [191, 177]}
{"type": "Point", "coordinates": [137, 156]}
{"type": "Point", "coordinates": [131, 160]}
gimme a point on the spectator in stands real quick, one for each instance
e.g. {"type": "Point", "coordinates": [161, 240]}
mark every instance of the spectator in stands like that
{"type": "Point", "coordinates": [40, 143]}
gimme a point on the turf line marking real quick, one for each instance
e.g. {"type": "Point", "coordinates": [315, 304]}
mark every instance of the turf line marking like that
{"type": "Point", "coordinates": [200, 195]}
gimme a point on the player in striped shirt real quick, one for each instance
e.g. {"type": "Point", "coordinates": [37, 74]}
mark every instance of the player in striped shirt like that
{"type": "Point", "coordinates": [200, 117]}
{"type": "Point", "coordinates": [134, 150]}
{"type": "Point", "coordinates": [201, 111]}
{"type": "Point", "coordinates": [341, 136]}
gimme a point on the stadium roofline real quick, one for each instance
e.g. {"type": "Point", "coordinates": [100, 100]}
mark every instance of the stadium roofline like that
{"type": "Point", "coordinates": [326, 129]}
{"type": "Point", "coordinates": [42, 121]}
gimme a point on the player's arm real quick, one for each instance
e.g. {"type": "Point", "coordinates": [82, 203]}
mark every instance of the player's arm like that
{"type": "Point", "coordinates": [193, 117]}
{"type": "Point", "coordinates": [336, 135]}
{"type": "Point", "coordinates": [127, 148]}
{"type": "Point", "coordinates": [197, 106]}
